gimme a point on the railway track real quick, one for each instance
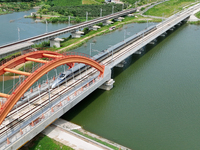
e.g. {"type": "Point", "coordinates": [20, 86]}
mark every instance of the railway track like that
{"type": "Point", "coordinates": [36, 105]}
{"type": "Point", "coordinates": [107, 61]}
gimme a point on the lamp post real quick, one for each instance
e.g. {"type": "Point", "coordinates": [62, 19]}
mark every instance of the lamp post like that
{"type": "Point", "coordinates": [101, 12]}
{"type": "Point", "coordinates": [86, 16]}
{"type": "Point", "coordinates": [46, 26]}
{"type": "Point", "coordinates": [112, 51]}
{"type": "Point", "coordinates": [69, 21]}
{"type": "Point", "coordinates": [112, 9]}
{"type": "Point", "coordinates": [124, 34]}
{"type": "Point", "coordinates": [122, 6]}
{"type": "Point", "coordinates": [18, 34]}
{"type": "Point", "coordinates": [147, 23]}
{"type": "Point", "coordinates": [91, 48]}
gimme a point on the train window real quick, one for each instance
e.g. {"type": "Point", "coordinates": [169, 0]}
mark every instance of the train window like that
{"type": "Point", "coordinates": [62, 75]}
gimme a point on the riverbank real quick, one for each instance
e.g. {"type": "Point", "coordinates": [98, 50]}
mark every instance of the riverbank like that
{"type": "Point", "coordinates": [43, 142]}
{"type": "Point", "coordinates": [76, 137]}
{"type": "Point", "coordinates": [65, 135]}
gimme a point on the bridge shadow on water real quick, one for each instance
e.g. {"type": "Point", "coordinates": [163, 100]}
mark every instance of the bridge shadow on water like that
{"type": "Point", "coordinates": [116, 72]}
{"type": "Point", "coordinates": [135, 57]}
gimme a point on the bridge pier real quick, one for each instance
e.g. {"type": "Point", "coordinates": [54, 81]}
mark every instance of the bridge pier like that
{"type": "Point", "coordinates": [55, 42]}
{"type": "Point", "coordinates": [108, 85]}
{"type": "Point", "coordinates": [130, 15]}
{"type": "Point", "coordinates": [95, 28]}
{"type": "Point", "coordinates": [179, 24]}
{"type": "Point", "coordinates": [59, 106]}
{"type": "Point", "coordinates": [77, 34]}
{"type": "Point", "coordinates": [119, 19]}
{"type": "Point", "coordinates": [121, 64]}
{"type": "Point", "coordinates": [172, 28]}
{"type": "Point", "coordinates": [107, 22]}
{"type": "Point", "coordinates": [153, 41]}
{"type": "Point", "coordinates": [164, 34]}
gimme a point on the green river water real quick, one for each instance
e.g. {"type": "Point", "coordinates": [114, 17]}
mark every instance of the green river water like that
{"type": "Point", "coordinates": [154, 104]}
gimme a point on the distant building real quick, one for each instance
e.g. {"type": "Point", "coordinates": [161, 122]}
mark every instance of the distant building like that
{"type": "Point", "coordinates": [113, 1]}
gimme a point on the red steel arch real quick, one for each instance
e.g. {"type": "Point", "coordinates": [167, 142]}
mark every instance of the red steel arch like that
{"type": "Point", "coordinates": [23, 58]}
{"type": "Point", "coordinates": [32, 78]}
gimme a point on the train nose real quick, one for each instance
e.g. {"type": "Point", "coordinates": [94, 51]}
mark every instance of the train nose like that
{"type": "Point", "coordinates": [53, 85]}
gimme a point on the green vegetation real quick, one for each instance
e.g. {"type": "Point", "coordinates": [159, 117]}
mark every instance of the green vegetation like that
{"type": "Point", "coordinates": [68, 41]}
{"type": "Point", "coordinates": [65, 19]}
{"type": "Point", "coordinates": [9, 57]}
{"type": "Point", "coordinates": [42, 44]}
{"type": "Point", "coordinates": [28, 67]}
{"type": "Point", "coordinates": [9, 7]}
{"type": "Point", "coordinates": [138, 3]}
{"type": "Point", "coordinates": [100, 1]}
{"type": "Point", "coordinates": [95, 139]}
{"type": "Point", "coordinates": [80, 11]}
{"type": "Point", "coordinates": [65, 2]}
{"type": "Point", "coordinates": [89, 2]}
{"type": "Point", "coordinates": [168, 8]}
{"type": "Point", "coordinates": [195, 22]}
{"type": "Point", "coordinates": [43, 142]}
{"type": "Point", "coordinates": [198, 14]}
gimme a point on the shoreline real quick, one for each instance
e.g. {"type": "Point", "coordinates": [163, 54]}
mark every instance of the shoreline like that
{"type": "Point", "coordinates": [66, 133]}
{"type": "Point", "coordinates": [77, 131]}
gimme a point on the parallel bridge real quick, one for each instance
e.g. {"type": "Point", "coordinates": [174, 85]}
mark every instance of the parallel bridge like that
{"type": "Point", "coordinates": [27, 43]}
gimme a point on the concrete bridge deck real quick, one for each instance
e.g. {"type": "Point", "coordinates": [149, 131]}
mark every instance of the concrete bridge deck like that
{"type": "Point", "coordinates": [44, 112]}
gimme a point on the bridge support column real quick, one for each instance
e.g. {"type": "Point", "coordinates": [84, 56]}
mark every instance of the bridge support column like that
{"type": "Point", "coordinates": [55, 42]}
{"type": "Point", "coordinates": [95, 28]}
{"type": "Point", "coordinates": [140, 51]}
{"type": "Point", "coordinates": [130, 15]}
{"type": "Point", "coordinates": [153, 42]}
{"type": "Point", "coordinates": [163, 34]}
{"type": "Point", "coordinates": [121, 64]}
{"type": "Point", "coordinates": [179, 24]}
{"type": "Point", "coordinates": [119, 19]}
{"type": "Point", "coordinates": [77, 34]}
{"type": "Point", "coordinates": [107, 22]}
{"type": "Point", "coordinates": [108, 85]}
{"type": "Point", "coordinates": [172, 28]}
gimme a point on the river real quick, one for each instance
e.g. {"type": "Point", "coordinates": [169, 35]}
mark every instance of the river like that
{"type": "Point", "coordinates": [154, 104]}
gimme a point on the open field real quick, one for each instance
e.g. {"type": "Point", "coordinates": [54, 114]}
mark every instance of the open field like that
{"type": "Point", "coordinates": [168, 8]}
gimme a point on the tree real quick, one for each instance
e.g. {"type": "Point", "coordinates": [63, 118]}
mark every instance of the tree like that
{"type": "Point", "coordinates": [78, 19]}
{"type": "Point", "coordinates": [44, 11]}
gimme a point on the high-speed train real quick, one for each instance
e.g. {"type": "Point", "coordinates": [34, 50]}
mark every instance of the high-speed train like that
{"type": "Point", "coordinates": [67, 75]}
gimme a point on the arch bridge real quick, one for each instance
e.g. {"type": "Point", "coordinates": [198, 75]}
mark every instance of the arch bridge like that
{"type": "Point", "coordinates": [50, 60]}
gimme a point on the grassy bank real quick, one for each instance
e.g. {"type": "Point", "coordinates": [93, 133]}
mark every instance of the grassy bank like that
{"type": "Point", "coordinates": [195, 22]}
{"type": "Point", "coordinates": [43, 142]}
{"type": "Point", "coordinates": [197, 15]}
{"type": "Point", "coordinates": [168, 8]}
{"type": "Point", "coordinates": [95, 139]}
{"type": "Point", "coordinates": [105, 29]}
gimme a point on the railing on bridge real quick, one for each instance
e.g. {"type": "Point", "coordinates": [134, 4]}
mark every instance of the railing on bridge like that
{"type": "Point", "coordinates": [41, 115]}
